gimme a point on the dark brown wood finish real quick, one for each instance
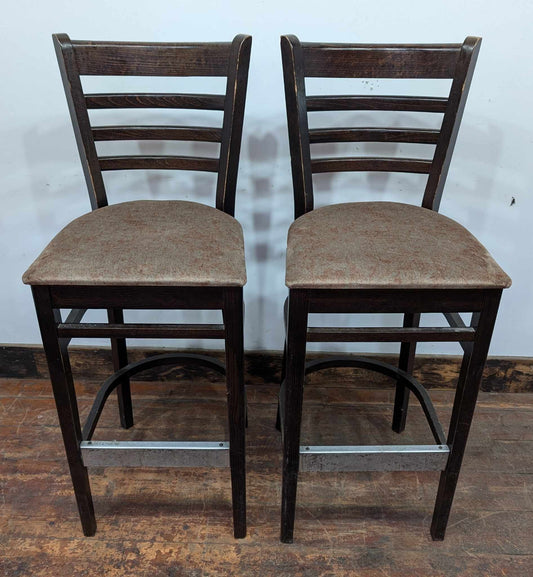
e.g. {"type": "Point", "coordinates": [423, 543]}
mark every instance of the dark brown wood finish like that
{"type": "Point", "coordinates": [390, 103]}
{"type": "Point", "coordinates": [233, 314]}
{"type": "Point", "coordinates": [406, 363]}
{"type": "Point", "coordinates": [146, 100]}
{"type": "Point", "coordinates": [456, 62]}
{"type": "Point", "coordinates": [379, 334]}
{"type": "Point", "coordinates": [158, 162]}
{"type": "Point", "coordinates": [301, 60]}
{"type": "Point", "coordinates": [463, 411]}
{"type": "Point", "coordinates": [293, 76]}
{"type": "Point", "coordinates": [291, 402]}
{"type": "Point", "coordinates": [137, 297]}
{"type": "Point", "coordinates": [81, 124]}
{"type": "Point", "coordinates": [452, 120]}
{"type": "Point", "coordinates": [192, 133]}
{"type": "Point", "coordinates": [120, 360]}
{"type": "Point", "coordinates": [370, 164]}
{"type": "Point", "coordinates": [142, 331]}
{"type": "Point", "coordinates": [232, 126]}
{"type": "Point", "coordinates": [111, 58]}
{"type": "Point", "coordinates": [66, 405]}
{"type": "Point", "coordinates": [394, 301]}
{"type": "Point", "coordinates": [379, 61]}
{"type": "Point", "coordinates": [150, 59]}
{"type": "Point", "coordinates": [227, 59]}
{"type": "Point", "coordinates": [320, 135]}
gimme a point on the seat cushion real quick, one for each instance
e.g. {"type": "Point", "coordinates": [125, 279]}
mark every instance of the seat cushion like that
{"type": "Point", "coordinates": [380, 245]}
{"type": "Point", "coordinates": [150, 243]}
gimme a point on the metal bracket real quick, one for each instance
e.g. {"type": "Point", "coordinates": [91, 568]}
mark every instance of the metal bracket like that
{"type": "Point", "coordinates": [154, 454]}
{"type": "Point", "coordinates": [374, 458]}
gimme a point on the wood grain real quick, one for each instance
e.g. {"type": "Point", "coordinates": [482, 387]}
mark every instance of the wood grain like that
{"type": "Point", "coordinates": [153, 100]}
{"type": "Point", "coordinates": [150, 59]}
{"type": "Point", "coordinates": [170, 522]}
{"type": "Point", "coordinates": [502, 374]}
{"type": "Point", "coordinates": [380, 61]}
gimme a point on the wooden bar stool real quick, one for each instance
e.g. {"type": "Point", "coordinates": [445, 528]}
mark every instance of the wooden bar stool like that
{"type": "Point", "coordinates": [382, 257]}
{"type": "Point", "coordinates": [147, 255]}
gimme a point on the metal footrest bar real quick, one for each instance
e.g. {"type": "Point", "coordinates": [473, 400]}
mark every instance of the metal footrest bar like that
{"type": "Point", "coordinates": [391, 371]}
{"type": "Point", "coordinates": [374, 458]}
{"type": "Point", "coordinates": [154, 454]}
{"type": "Point", "coordinates": [133, 368]}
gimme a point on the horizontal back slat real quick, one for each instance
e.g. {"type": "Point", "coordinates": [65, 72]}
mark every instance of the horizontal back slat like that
{"type": "Point", "coordinates": [229, 60]}
{"type": "Point", "coordinates": [323, 135]}
{"type": "Point", "coordinates": [375, 61]}
{"type": "Point", "coordinates": [159, 163]}
{"type": "Point", "coordinates": [123, 58]}
{"type": "Point", "coordinates": [189, 133]}
{"type": "Point", "coordinates": [145, 100]}
{"type": "Point", "coordinates": [370, 164]}
{"type": "Point", "coordinates": [303, 60]}
{"type": "Point", "coordinates": [394, 103]}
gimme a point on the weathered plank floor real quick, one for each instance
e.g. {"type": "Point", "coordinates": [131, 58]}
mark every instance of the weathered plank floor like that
{"type": "Point", "coordinates": [163, 522]}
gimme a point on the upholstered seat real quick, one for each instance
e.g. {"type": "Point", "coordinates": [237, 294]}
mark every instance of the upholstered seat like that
{"type": "Point", "coordinates": [148, 243]}
{"type": "Point", "coordinates": [372, 245]}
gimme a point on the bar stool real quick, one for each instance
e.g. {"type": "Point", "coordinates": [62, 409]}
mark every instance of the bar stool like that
{"type": "Point", "coordinates": [382, 257]}
{"type": "Point", "coordinates": [147, 255]}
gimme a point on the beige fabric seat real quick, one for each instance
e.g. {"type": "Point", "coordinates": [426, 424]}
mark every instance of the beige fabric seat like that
{"type": "Point", "coordinates": [372, 245]}
{"type": "Point", "coordinates": [146, 243]}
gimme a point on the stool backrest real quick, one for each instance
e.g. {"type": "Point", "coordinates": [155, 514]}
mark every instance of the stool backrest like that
{"type": "Point", "coordinates": [303, 60]}
{"type": "Point", "coordinates": [78, 58]}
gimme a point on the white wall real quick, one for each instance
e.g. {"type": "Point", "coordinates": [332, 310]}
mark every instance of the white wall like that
{"type": "Point", "coordinates": [42, 186]}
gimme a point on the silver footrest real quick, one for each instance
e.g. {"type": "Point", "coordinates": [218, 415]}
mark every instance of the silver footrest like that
{"type": "Point", "coordinates": [374, 458]}
{"type": "Point", "coordinates": [154, 454]}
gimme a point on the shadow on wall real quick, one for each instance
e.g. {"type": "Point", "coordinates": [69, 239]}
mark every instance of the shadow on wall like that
{"type": "Point", "coordinates": [265, 208]}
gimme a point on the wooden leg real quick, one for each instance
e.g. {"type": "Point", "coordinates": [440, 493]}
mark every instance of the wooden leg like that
{"type": "Point", "coordinates": [233, 323]}
{"type": "Point", "coordinates": [120, 359]}
{"type": "Point", "coordinates": [67, 408]}
{"type": "Point", "coordinates": [292, 408]}
{"type": "Point", "coordinates": [283, 362]}
{"type": "Point", "coordinates": [463, 411]}
{"type": "Point", "coordinates": [406, 363]}
{"type": "Point", "coordinates": [283, 371]}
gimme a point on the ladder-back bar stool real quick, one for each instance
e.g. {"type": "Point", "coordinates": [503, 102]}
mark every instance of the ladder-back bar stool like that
{"type": "Point", "coordinates": [148, 255]}
{"type": "Point", "coordinates": [382, 257]}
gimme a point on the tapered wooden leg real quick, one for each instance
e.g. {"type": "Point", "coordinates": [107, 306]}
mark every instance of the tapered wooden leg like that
{"type": "Point", "coordinates": [233, 322]}
{"type": "Point", "coordinates": [463, 411]}
{"type": "Point", "coordinates": [67, 408]}
{"type": "Point", "coordinates": [292, 399]}
{"type": "Point", "coordinates": [120, 359]}
{"type": "Point", "coordinates": [406, 363]}
{"type": "Point", "coordinates": [283, 361]}
{"type": "Point", "coordinates": [283, 371]}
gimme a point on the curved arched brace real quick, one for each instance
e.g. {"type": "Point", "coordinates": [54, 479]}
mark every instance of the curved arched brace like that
{"type": "Point", "coordinates": [132, 369]}
{"type": "Point", "coordinates": [390, 371]}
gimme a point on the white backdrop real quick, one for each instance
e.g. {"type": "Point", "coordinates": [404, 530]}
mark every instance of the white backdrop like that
{"type": "Point", "coordinates": [42, 186]}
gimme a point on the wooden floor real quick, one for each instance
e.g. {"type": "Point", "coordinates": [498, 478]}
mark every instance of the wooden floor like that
{"type": "Point", "coordinates": [162, 522]}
